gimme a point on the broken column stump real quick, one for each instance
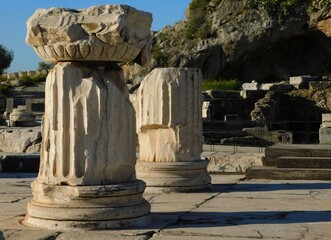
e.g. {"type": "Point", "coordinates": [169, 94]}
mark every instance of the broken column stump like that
{"type": "Point", "coordinates": [169, 125]}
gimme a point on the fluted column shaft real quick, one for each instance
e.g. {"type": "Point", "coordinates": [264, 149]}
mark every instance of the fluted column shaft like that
{"type": "Point", "coordinates": [88, 128]}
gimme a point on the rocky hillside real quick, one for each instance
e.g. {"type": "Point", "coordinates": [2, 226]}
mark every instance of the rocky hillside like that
{"type": "Point", "coordinates": [248, 40]}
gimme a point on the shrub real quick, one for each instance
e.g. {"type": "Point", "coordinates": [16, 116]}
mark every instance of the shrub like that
{"type": "Point", "coordinates": [6, 57]}
{"type": "Point", "coordinates": [198, 26]}
{"type": "Point", "coordinates": [160, 56]}
{"type": "Point", "coordinates": [280, 7]}
{"type": "Point", "coordinates": [32, 80]}
{"type": "Point", "coordinates": [232, 84]}
{"type": "Point", "coordinates": [316, 5]}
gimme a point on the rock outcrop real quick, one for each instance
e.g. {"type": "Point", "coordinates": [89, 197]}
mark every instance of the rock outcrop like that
{"type": "Point", "coordinates": [251, 42]}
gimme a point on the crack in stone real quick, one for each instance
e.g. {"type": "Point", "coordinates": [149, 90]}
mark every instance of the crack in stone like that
{"type": "Point", "coordinates": [258, 232]}
{"type": "Point", "coordinates": [145, 236]}
{"type": "Point", "coordinates": [19, 199]}
{"type": "Point", "coordinates": [180, 218]}
{"type": "Point", "coordinates": [52, 237]}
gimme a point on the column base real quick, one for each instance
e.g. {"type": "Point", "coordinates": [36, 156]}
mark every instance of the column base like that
{"type": "Point", "coordinates": [88, 207]}
{"type": "Point", "coordinates": [174, 176]}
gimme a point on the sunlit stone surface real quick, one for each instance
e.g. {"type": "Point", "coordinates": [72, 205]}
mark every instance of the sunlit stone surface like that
{"type": "Point", "coordinates": [169, 127]}
{"type": "Point", "coordinates": [99, 33]}
{"type": "Point", "coordinates": [87, 174]}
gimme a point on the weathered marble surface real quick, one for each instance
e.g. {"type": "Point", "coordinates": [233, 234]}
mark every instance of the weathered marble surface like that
{"type": "Point", "coordinates": [169, 126]}
{"type": "Point", "coordinates": [87, 170]}
{"type": "Point", "coordinates": [99, 33]}
{"type": "Point", "coordinates": [235, 209]}
{"type": "Point", "coordinates": [88, 127]}
{"type": "Point", "coordinates": [169, 115]}
{"type": "Point", "coordinates": [19, 140]}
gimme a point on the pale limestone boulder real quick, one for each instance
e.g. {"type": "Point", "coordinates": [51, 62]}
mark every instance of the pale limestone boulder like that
{"type": "Point", "coordinates": [18, 140]}
{"type": "Point", "coordinates": [89, 135]}
{"type": "Point", "coordinates": [100, 33]}
{"type": "Point", "coordinates": [169, 115]}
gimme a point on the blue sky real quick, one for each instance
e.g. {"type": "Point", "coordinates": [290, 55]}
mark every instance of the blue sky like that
{"type": "Point", "coordinates": [14, 14]}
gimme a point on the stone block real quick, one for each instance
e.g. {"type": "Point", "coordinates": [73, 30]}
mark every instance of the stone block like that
{"type": "Point", "coordinates": [276, 86]}
{"type": "Point", "coordinates": [28, 103]}
{"type": "Point", "coordinates": [302, 82]}
{"type": "Point", "coordinates": [206, 109]}
{"type": "Point", "coordinates": [18, 140]}
{"type": "Point", "coordinates": [10, 105]}
{"type": "Point", "coordinates": [325, 135]}
{"type": "Point", "coordinates": [233, 163]}
{"type": "Point", "coordinates": [100, 33]}
{"type": "Point", "coordinates": [22, 118]}
{"type": "Point", "coordinates": [251, 86]}
{"type": "Point", "coordinates": [326, 120]}
{"type": "Point", "coordinates": [223, 94]}
{"type": "Point", "coordinates": [267, 86]}
{"type": "Point", "coordinates": [326, 117]}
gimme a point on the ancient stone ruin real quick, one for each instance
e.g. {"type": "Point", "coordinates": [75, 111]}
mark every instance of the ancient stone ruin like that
{"type": "Point", "coordinates": [169, 127]}
{"type": "Point", "coordinates": [325, 129]}
{"type": "Point", "coordinates": [87, 174]}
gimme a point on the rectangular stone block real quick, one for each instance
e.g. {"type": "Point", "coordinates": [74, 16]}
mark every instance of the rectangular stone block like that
{"type": "Point", "coordinates": [251, 86]}
{"type": "Point", "coordinates": [28, 103]}
{"type": "Point", "coordinates": [10, 105]}
{"type": "Point", "coordinates": [302, 79]}
{"type": "Point", "coordinates": [325, 135]}
{"type": "Point", "coordinates": [267, 86]}
{"type": "Point", "coordinates": [326, 117]}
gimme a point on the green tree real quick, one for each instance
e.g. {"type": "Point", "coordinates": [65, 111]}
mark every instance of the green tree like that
{"type": "Point", "coordinates": [6, 57]}
{"type": "Point", "coordinates": [45, 66]}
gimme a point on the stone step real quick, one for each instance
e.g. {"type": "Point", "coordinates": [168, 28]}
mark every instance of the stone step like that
{"type": "Point", "coordinates": [295, 150]}
{"type": "Point", "coordinates": [11, 162]}
{"type": "Point", "coordinates": [274, 173]}
{"type": "Point", "coordinates": [303, 162]}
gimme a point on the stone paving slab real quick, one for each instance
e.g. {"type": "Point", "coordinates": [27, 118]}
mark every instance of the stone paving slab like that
{"type": "Point", "coordinates": [235, 208]}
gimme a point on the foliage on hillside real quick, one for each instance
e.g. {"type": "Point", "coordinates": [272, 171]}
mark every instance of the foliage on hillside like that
{"type": "Point", "coordinates": [285, 7]}
{"type": "Point", "coordinates": [225, 37]}
{"type": "Point", "coordinates": [316, 5]}
{"type": "Point", "coordinates": [198, 24]}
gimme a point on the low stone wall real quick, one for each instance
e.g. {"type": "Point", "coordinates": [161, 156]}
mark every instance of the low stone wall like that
{"type": "Point", "coordinates": [234, 163]}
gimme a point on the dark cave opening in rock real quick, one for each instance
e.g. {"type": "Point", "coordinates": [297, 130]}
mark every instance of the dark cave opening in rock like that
{"type": "Point", "coordinates": [305, 54]}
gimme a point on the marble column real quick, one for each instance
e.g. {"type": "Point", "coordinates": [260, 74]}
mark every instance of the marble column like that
{"type": "Point", "coordinates": [169, 127]}
{"type": "Point", "coordinates": [87, 174]}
